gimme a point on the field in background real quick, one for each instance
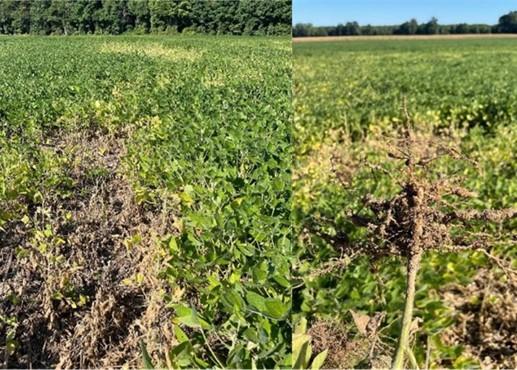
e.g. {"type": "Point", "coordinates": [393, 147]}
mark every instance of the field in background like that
{"type": "Point", "coordinates": [144, 201]}
{"type": "Point", "coordinates": [404, 37]}
{"type": "Point", "coordinates": [348, 100]}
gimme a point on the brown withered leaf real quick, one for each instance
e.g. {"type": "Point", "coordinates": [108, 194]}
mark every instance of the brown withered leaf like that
{"type": "Point", "coordinates": [361, 322]}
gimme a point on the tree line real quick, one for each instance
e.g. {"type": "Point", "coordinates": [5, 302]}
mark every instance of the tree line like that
{"type": "Point", "coordinates": [234, 17]}
{"type": "Point", "coordinates": [507, 24]}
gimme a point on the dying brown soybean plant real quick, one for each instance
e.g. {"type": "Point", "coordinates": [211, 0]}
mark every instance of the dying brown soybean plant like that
{"type": "Point", "coordinates": [422, 217]}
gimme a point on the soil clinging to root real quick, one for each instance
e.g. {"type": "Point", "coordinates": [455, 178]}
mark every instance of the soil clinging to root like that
{"type": "Point", "coordinates": [80, 277]}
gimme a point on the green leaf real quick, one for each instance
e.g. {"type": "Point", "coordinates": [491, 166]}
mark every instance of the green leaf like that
{"type": "Point", "coordinates": [188, 316]}
{"type": "Point", "coordinates": [173, 245]}
{"type": "Point", "coordinates": [319, 360]}
{"type": "Point", "coordinates": [276, 308]}
{"type": "Point", "coordinates": [257, 301]}
{"type": "Point", "coordinates": [148, 362]}
{"type": "Point", "coordinates": [302, 355]}
{"type": "Point", "coordinates": [181, 355]}
{"type": "Point", "coordinates": [200, 220]}
{"type": "Point", "coordinates": [180, 334]}
{"type": "Point", "coordinates": [282, 281]}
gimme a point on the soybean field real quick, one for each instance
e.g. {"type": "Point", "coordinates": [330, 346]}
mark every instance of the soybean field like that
{"type": "Point", "coordinates": [144, 201]}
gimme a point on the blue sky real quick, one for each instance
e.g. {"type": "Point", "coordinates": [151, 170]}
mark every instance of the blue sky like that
{"type": "Point", "coordinates": [383, 12]}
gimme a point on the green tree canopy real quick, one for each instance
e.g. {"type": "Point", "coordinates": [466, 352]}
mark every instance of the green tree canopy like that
{"type": "Point", "coordinates": [236, 17]}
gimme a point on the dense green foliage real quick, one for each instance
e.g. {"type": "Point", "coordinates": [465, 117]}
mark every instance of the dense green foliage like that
{"type": "Point", "coordinates": [242, 17]}
{"type": "Point", "coordinates": [211, 143]}
{"type": "Point", "coordinates": [507, 24]}
{"type": "Point", "coordinates": [348, 99]}
{"type": "Point", "coordinates": [473, 88]}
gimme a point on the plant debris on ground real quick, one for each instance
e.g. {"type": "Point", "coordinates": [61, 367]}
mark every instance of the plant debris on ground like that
{"type": "Point", "coordinates": [82, 271]}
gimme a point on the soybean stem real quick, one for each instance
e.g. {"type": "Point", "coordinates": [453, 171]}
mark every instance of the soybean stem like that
{"type": "Point", "coordinates": [412, 270]}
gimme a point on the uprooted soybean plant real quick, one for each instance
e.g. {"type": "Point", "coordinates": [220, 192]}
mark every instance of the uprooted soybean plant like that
{"type": "Point", "coordinates": [427, 214]}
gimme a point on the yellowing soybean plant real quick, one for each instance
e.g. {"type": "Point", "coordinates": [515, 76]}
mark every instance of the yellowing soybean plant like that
{"type": "Point", "coordinates": [364, 110]}
{"type": "Point", "coordinates": [144, 201]}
